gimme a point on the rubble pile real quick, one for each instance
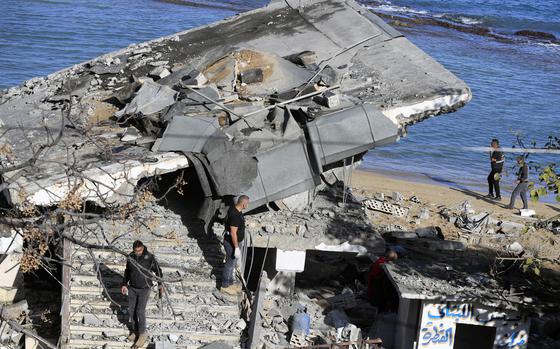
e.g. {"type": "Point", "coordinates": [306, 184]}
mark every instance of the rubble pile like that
{"type": "Point", "coordinates": [324, 314]}
{"type": "Point", "coordinates": [326, 223]}
{"type": "Point", "coordinates": [262, 112]}
{"type": "Point", "coordinates": [190, 314]}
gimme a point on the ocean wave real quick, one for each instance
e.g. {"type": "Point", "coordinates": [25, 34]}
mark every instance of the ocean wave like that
{"type": "Point", "coordinates": [469, 20]}
{"type": "Point", "coordinates": [398, 9]}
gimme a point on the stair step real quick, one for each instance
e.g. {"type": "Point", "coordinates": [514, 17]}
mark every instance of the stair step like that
{"type": "Point", "coordinates": [192, 335]}
{"type": "Point", "coordinates": [172, 255]}
{"type": "Point", "coordinates": [150, 317]}
{"type": "Point", "coordinates": [119, 268]}
{"type": "Point", "coordinates": [100, 307]}
{"type": "Point", "coordinates": [117, 279]}
{"type": "Point", "coordinates": [83, 344]}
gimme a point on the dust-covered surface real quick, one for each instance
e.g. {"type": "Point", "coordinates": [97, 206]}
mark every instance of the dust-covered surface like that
{"type": "Point", "coordinates": [456, 247]}
{"type": "Point", "coordinates": [336, 53]}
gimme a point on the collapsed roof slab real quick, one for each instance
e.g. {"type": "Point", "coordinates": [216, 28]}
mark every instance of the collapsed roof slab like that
{"type": "Point", "coordinates": [372, 62]}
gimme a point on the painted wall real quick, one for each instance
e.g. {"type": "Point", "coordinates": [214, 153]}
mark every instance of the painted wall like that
{"type": "Point", "coordinates": [438, 325]}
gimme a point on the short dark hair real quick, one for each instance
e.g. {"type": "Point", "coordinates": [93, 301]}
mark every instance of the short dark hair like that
{"type": "Point", "coordinates": [242, 198]}
{"type": "Point", "coordinates": [495, 140]}
{"type": "Point", "coordinates": [137, 244]}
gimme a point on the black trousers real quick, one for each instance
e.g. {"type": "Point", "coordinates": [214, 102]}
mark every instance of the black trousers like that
{"type": "Point", "coordinates": [137, 301]}
{"type": "Point", "coordinates": [493, 185]}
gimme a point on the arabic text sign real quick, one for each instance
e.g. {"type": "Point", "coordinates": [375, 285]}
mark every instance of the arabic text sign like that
{"type": "Point", "coordinates": [437, 327]}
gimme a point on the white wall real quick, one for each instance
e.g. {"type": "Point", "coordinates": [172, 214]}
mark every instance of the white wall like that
{"type": "Point", "coordinates": [438, 320]}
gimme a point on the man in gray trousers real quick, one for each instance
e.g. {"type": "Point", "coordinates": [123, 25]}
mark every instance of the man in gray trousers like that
{"type": "Point", "coordinates": [522, 184]}
{"type": "Point", "coordinates": [137, 283]}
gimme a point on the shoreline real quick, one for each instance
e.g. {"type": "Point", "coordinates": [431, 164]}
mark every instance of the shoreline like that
{"type": "Point", "coordinates": [435, 192]}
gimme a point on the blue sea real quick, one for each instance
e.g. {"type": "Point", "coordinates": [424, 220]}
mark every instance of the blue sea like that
{"type": "Point", "coordinates": [516, 86]}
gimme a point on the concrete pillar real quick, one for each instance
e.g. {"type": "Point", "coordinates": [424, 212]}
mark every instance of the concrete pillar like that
{"type": "Point", "coordinates": [406, 328]}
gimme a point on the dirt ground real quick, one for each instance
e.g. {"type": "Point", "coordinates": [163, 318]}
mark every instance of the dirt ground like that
{"type": "Point", "coordinates": [539, 243]}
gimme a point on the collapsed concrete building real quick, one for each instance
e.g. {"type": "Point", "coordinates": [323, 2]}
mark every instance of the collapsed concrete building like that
{"type": "Point", "coordinates": [278, 103]}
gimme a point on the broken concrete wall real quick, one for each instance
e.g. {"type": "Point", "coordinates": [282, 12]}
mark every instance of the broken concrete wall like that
{"type": "Point", "coordinates": [438, 325]}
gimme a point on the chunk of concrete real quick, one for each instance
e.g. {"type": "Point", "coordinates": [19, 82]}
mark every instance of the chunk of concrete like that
{"type": "Point", "coordinates": [424, 214]}
{"type": "Point", "coordinates": [91, 320]}
{"type": "Point", "coordinates": [515, 248]}
{"type": "Point", "coordinates": [297, 202]}
{"type": "Point", "coordinates": [159, 72]}
{"type": "Point", "coordinates": [163, 345]}
{"type": "Point", "coordinates": [151, 98]}
{"type": "Point", "coordinates": [130, 134]}
{"type": "Point", "coordinates": [329, 99]}
{"type": "Point", "coordinates": [217, 345]}
{"type": "Point", "coordinates": [194, 79]}
{"type": "Point", "coordinates": [396, 196]}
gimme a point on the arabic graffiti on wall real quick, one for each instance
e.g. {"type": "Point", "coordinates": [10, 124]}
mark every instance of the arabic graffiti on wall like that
{"type": "Point", "coordinates": [438, 325]}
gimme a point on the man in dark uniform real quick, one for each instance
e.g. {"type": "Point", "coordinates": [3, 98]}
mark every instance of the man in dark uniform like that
{"type": "Point", "coordinates": [497, 160]}
{"type": "Point", "coordinates": [137, 283]}
{"type": "Point", "coordinates": [233, 236]}
{"type": "Point", "coordinates": [522, 184]}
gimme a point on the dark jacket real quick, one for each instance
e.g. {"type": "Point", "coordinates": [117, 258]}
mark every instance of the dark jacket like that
{"type": "Point", "coordinates": [523, 173]}
{"type": "Point", "coordinates": [499, 159]}
{"type": "Point", "coordinates": [141, 277]}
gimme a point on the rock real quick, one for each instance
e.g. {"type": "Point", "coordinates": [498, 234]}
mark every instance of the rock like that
{"type": "Point", "coordinates": [301, 229]}
{"type": "Point", "coordinates": [269, 228]}
{"type": "Point", "coordinates": [536, 35]}
{"type": "Point", "coordinates": [194, 79]}
{"type": "Point", "coordinates": [427, 232]}
{"type": "Point", "coordinates": [173, 338]}
{"type": "Point", "coordinates": [130, 134]}
{"type": "Point", "coordinates": [159, 72]}
{"type": "Point", "coordinates": [241, 325]}
{"type": "Point", "coordinates": [329, 99]}
{"type": "Point", "coordinates": [424, 214]}
{"type": "Point", "coordinates": [507, 227]}
{"type": "Point", "coordinates": [398, 197]}
{"type": "Point", "coordinates": [281, 327]}
{"type": "Point", "coordinates": [515, 248]}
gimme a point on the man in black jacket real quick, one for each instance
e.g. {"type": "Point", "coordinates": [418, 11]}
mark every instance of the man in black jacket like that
{"type": "Point", "coordinates": [497, 160]}
{"type": "Point", "coordinates": [522, 184]}
{"type": "Point", "coordinates": [137, 283]}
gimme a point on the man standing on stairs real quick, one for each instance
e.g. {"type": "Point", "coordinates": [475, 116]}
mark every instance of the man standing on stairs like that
{"type": "Point", "coordinates": [233, 236]}
{"type": "Point", "coordinates": [137, 283]}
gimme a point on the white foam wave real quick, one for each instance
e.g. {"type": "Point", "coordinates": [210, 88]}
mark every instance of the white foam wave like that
{"type": "Point", "coordinates": [469, 20]}
{"type": "Point", "coordinates": [399, 9]}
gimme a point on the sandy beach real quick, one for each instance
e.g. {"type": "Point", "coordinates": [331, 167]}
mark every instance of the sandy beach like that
{"type": "Point", "coordinates": [439, 194]}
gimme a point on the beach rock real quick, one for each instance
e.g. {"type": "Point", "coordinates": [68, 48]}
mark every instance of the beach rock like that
{"type": "Point", "coordinates": [424, 214]}
{"type": "Point", "coordinates": [536, 35]}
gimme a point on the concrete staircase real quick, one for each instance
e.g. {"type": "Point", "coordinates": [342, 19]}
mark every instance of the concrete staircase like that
{"type": "Point", "coordinates": [193, 312]}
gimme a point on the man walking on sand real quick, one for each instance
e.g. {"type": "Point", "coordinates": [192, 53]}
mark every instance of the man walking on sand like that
{"type": "Point", "coordinates": [137, 283]}
{"type": "Point", "coordinates": [233, 236]}
{"type": "Point", "coordinates": [522, 184]}
{"type": "Point", "coordinates": [497, 160]}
